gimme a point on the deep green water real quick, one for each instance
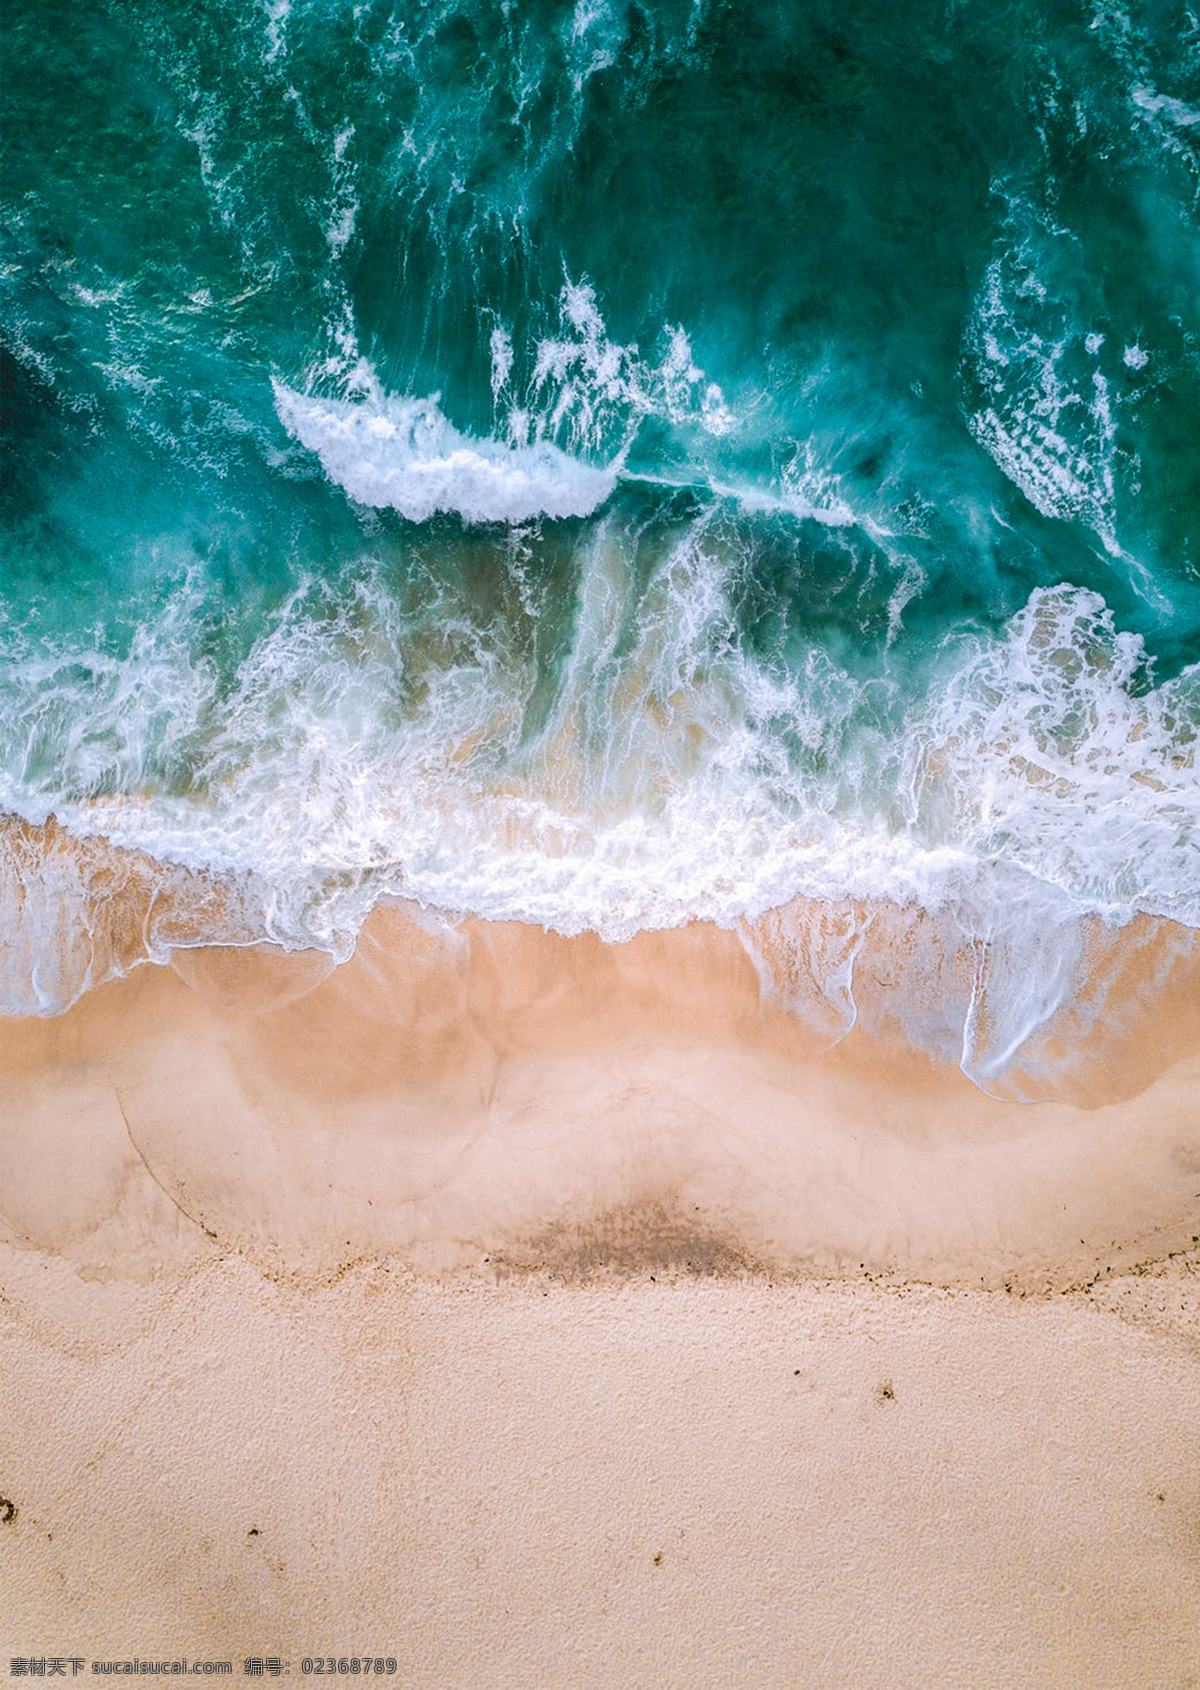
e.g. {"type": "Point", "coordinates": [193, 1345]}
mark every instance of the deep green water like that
{"type": "Point", "coordinates": [610, 464]}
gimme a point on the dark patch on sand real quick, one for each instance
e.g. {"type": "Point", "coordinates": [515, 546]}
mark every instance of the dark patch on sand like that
{"type": "Point", "coordinates": [658, 1241]}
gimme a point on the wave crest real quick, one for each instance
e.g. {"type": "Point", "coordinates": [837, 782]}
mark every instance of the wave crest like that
{"type": "Point", "coordinates": [403, 454]}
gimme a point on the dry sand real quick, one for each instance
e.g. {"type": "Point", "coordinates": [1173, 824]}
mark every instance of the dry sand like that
{"type": "Point", "coordinates": [709, 1482]}
{"type": "Point", "coordinates": [549, 1314]}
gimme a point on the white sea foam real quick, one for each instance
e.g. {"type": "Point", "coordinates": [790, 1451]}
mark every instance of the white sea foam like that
{"type": "Point", "coordinates": [597, 392]}
{"type": "Point", "coordinates": [566, 410]}
{"type": "Point", "coordinates": [404, 454]}
{"type": "Point", "coordinates": [1172, 122]}
{"type": "Point", "coordinates": [593, 40]}
{"type": "Point", "coordinates": [1052, 752]}
{"type": "Point", "coordinates": [501, 348]}
{"type": "Point", "coordinates": [1163, 105]}
{"type": "Point", "coordinates": [1052, 396]}
{"type": "Point", "coordinates": [1048, 423]}
{"type": "Point", "coordinates": [1026, 782]}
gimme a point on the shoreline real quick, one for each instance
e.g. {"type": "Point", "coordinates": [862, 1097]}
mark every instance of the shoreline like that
{"type": "Point", "coordinates": [534, 1310]}
{"type": "Point", "coordinates": [498, 1092]}
{"type": "Point", "coordinates": [1016, 1003]}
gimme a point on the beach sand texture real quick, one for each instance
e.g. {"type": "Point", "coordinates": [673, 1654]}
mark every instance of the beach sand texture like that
{"type": "Point", "coordinates": [709, 1481]}
{"type": "Point", "coordinates": [600, 842]}
{"type": "Point", "coordinates": [543, 1312]}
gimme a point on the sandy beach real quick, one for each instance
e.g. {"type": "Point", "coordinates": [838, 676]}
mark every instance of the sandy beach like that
{"type": "Point", "coordinates": [707, 1481]}
{"type": "Point", "coordinates": [544, 1312]}
{"type": "Point", "coordinates": [600, 844]}
{"type": "Point", "coordinates": [494, 1093]}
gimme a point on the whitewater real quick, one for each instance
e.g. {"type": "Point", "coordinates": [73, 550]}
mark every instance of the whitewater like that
{"type": "Point", "coordinates": [606, 472]}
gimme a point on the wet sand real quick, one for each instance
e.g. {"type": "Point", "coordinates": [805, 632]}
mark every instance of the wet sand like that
{"type": "Point", "coordinates": [495, 1093]}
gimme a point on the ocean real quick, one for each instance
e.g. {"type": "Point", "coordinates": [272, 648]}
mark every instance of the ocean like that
{"type": "Point", "coordinates": [605, 466]}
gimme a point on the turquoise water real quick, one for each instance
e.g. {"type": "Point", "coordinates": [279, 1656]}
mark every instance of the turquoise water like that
{"type": "Point", "coordinates": [607, 465]}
